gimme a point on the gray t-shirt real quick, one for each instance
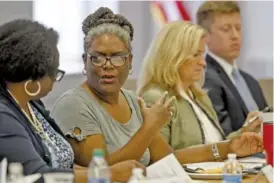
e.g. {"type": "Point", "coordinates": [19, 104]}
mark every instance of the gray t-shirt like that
{"type": "Point", "coordinates": [78, 109]}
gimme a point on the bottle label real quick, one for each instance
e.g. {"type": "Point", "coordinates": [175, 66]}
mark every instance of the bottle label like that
{"type": "Point", "coordinates": [99, 180]}
{"type": "Point", "coordinates": [232, 178]}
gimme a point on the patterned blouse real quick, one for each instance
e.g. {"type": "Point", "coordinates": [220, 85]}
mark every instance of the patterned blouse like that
{"type": "Point", "coordinates": [62, 155]}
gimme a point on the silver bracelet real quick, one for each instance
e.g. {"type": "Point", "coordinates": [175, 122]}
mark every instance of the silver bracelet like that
{"type": "Point", "coordinates": [216, 153]}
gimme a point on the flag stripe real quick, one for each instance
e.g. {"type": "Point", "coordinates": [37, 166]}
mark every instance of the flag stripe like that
{"type": "Point", "coordinates": [159, 11]}
{"type": "Point", "coordinates": [167, 11]}
{"type": "Point", "coordinates": [182, 10]}
{"type": "Point", "coordinates": [171, 10]}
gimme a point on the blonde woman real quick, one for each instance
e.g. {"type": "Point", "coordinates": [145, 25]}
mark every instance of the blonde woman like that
{"type": "Point", "coordinates": [175, 63]}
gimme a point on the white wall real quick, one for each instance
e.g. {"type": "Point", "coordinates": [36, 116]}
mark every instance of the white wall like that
{"type": "Point", "coordinates": [10, 10]}
{"type": "Point", "coordinates": [143, 29]}
{"type": "Point", "coordinates": [257, 51]}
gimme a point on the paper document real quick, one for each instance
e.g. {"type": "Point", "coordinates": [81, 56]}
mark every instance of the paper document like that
{"type": "Point", "coordinates": [269, 173]}
{"type": "Point", "coordinates": [3, 170]}
{"type": "Point", "coordinates": [31, 178]}
{"type": "Point", "coordinates": [163, 180]}
{"type": "Point", "coordinates": [167, 167]}
{"type": "Point", "coordinates": [170, 180]}
{"type": "Point", "coordinates": [252, 159]}
{"type": "Point", "coordinates": [213, 165]}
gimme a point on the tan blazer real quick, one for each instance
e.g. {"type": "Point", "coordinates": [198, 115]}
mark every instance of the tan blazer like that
{"type": "Point", "coordinates": [184, 129]}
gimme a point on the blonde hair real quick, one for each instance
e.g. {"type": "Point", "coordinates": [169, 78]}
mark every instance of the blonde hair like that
{"type": "Point", "coordinates": [209, 9]}
{"type": "Point", "coordinates": [176, 42]}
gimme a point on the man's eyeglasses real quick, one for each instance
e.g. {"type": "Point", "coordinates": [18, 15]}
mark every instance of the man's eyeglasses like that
{"type": "Point", "coordinates": [59, 75]}
{"type": "Point", "coordinates": [116, 61]}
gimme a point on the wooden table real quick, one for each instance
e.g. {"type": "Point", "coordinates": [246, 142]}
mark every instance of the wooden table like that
{"type": "Point", "coordinates": [246, 179]}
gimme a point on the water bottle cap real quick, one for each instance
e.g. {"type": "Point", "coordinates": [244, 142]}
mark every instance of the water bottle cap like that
{"type": "Point", "coordinates": [137, 171]}
{"type": "Point", "coordinates": [15, 168]}
{"type": "Point", "coordinates": [231, 156]}
{"type": "Point", "coordinates": [98, 152]}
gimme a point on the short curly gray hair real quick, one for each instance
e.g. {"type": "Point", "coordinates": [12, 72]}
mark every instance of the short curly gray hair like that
{"type": "Point", "coordinates": [28, 50]}
{"type": "Point", "coordinates": [102, 21]}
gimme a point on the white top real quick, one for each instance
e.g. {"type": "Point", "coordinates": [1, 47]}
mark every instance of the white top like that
{"type": "Point", "coordinates": [212, 135]}
{"type": "Point", "coordinates": [228, 68]}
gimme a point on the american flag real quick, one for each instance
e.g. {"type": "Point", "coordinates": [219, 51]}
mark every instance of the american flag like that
{"type": "Point", "coordinates": [166, 11]}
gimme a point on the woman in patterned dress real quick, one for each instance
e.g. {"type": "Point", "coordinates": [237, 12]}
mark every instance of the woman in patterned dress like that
{"type": "Point", "coordinates": [29, 62]}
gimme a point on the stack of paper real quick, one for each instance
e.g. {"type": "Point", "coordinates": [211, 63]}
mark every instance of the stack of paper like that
{"type": "Point", "coordinates": [268, 172]}
{"type": "Point", "coordinates": [168, 170]}
{"type": "Point", "coordinates": [252, 159]}
{"type": "Point", "coordinates": [167, 167]}
{"type": "Point", "coordinates": [3, 170]}
{"type": "Point", "coordinates": [26, 179]}
{"type": "Point", "coordinates": [213, 165]}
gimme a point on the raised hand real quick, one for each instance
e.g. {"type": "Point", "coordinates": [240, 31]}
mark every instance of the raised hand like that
{"type": "Point", "coordinates": [255, 125]}
{"type": "Point", "coordinates": [159, 113]}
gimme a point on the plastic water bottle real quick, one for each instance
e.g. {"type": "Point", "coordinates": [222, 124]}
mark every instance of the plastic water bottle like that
{"type": "Point", "coordinates": [232, 170]}
{"type": "Point", "coordinates": [137, 175]}
{"type": "Point", "coordinates": [98, 171]}
{"type": "Point", "coordinates": [15, 173]}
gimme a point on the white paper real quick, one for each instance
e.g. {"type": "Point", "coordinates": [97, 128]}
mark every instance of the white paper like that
{"type": "Point", "coordinates": [58, 177]}
{"type": "Point", "coordinates": [269, 173]}
{"type": "Point", "coordinates": [205, 165]}
{"type": "Point", "coordinates": [252, 159]}
{"type": "Point", "coordinates": [170, 180]}
{"type": "Point", "coordinates": [3, 170]}
{"type": "Point", "coordinates": [167, 167]}
{"type": "Point", "coordinates": [267, 117]}
{"type": "Point", "coordinates": [31, 178]}
{"type": "Point", "coordinates": [213, 165]}
{"type": "Point", "coordinates": [163, 180]}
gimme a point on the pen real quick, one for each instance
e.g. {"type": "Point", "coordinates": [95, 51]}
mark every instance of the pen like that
{"type": "Point", "coordinates": [267, 109]}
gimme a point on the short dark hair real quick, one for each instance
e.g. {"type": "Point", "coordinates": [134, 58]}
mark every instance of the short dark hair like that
{"type": "Point", "coordinates": [28, 50]}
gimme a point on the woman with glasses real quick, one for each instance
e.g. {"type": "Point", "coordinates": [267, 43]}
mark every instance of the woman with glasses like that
{"type": "Point", "coordinates": [101, 114]}
{"type": "Point", "coordinates": [29, 61]}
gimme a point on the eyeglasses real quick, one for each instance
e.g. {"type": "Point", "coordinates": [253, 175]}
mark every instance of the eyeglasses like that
{"type": "Point", "coordinates": [116, 61]}
{"type": "Point", "coordinates": [59, 75]}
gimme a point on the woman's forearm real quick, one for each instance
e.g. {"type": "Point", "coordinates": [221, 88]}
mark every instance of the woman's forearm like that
{"type": "Point", "coordinates": [201, 153]}
{"type": "Point", "coordinates": [80, 175]}
{"type": "Point", "coordinates": [135, 147]}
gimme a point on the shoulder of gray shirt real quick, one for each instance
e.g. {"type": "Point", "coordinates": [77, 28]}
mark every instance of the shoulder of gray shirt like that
{"type": "Point", "coordinates": [76, 106]}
